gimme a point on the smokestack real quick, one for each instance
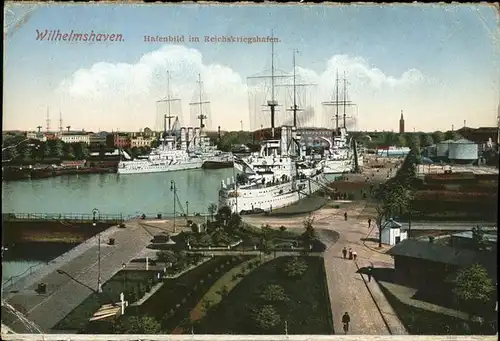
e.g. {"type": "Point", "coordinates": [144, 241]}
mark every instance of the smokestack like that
{"type": "Point", "coordinates": [218, 131]}
{"type": "Point", "coordinates": [465, 123]}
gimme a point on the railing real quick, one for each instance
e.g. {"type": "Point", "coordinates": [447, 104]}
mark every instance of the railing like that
{"type": "Point", "coordinates": [11, 279]}
{"type": "Point", "coordinates": [74, 217]}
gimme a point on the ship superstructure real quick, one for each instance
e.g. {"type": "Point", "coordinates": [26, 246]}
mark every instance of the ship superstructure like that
{"type": "Point", "coordinates": [278, 175]}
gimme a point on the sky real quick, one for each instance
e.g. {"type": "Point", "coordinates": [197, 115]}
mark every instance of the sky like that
{"type": "Point", "coordinates": [440, 64]}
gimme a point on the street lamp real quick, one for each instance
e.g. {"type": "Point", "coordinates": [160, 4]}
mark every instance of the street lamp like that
{"type": "Point", "coordinates": [124, 278]}
{"type": "Point", "coordinates": [173, 188]}
{"type": "Point", "coordinates": [95, 212]}
{"type": "Point", "coordinates": [62, 272]}
{"type": "Point", "coordinates": [187, 208]}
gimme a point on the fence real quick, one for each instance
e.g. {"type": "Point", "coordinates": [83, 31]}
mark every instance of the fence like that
{"type": "Point", "coordinates": [73, 217]}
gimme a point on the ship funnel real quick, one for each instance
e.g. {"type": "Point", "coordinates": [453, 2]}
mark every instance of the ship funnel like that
{"type": "Point", "coordinates": [183, 138]}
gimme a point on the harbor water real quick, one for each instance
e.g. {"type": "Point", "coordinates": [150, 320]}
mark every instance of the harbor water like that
{"type": "Point", "coordinates": [115, 194]}
{"type": "Point", "coordinates": [111, 194]}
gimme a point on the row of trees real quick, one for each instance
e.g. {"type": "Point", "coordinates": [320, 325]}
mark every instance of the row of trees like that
{"type": "Point", "coordinates": [33, 151]}
{"type": "Point", "coordinates": [395, 196]}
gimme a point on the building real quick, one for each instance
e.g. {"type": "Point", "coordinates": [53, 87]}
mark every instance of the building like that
{"type": "Point", "coordinates": [97, 139]}
{"type": "Point", "coordinates": [75, 137]}
{"type": "Point", "coordinates": [121, 140]}
{"type": "Point", "coordinates": [420, 263]}
{"type": "Point", "coordinates": [465, 240]}
{"type": "Point", "coordinates": [393, 232]}
{"type": "Point", "coordinates": [402, 124]}
{"type": "Point", "coordinates": [141, 141]}
{"type": "Point", "coordinates": [481, 135]}
{"type": "Point", "coordinates": [36, 136]}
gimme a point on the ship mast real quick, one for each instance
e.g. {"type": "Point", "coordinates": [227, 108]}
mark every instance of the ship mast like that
{"type": "Point", "coordinates": [272, 103]}
{"type": "Point", "coordinates": [337, 101]}
{"type": "Point", "coordinates": [168, 116]}
{"type": "Point", "coordinates": [345, 98]}
{"type": "Point", "coordinates": [201, 116]}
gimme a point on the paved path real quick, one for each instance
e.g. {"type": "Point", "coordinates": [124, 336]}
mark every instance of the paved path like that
{"type": "Point", "coordinates": [370, 312]}
{"type": "Point", "coordinates": [63, 293]}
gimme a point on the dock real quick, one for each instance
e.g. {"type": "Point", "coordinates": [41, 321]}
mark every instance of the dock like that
{"type": "Point", "coordinates": [63, 293]}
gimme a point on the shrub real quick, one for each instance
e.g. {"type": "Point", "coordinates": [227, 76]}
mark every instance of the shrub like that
{"type": "Point", "coordinates": [266, 317]}
{"type": "Point", "coordinates": [273, 293]}
{"type": "Point", "coordinates": [295, 267]}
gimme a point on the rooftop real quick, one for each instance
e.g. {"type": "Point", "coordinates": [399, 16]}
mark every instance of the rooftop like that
{"type": "Point", "coordinates": [433, 252]}
{"type": "Point", "coordinates": [468, 234]}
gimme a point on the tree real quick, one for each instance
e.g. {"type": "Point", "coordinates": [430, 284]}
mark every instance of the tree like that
{"type": "Point", "coordinates": [478, 238]}
{"type": "Point", "coordinates": [102, 151]}
{"type": "Point", "coordinates": [212, 209]}
{"type": "Point", "coordinates": [295, 267]}
{"type": "Point", "coordinates": [273, 293]}
{"type": "Point", "coordinates": [138, 325]}
{"type": "Point", "coordinates": [473, 289]}
{"type": "Point", "coordinates": [401, 141]}
{"type": "Point", "coordinates": [310, 234]}
{"type": "Point", "coordinates": [46, 150]}
{"type": "Point", "coordinates": [266, 317]}
{"type": "Point", "coordinates": [437, 136]}
{"type": "Point", "coordinates": [426, 140]}
{"type": "Point", "coordinates": [57, 149]}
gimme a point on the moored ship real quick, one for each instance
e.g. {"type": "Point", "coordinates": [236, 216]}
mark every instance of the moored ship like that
{"type": "Point", "coordinates": [278, 176]}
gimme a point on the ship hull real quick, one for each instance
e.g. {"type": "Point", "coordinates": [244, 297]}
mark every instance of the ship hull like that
{"type": "Point", "coordinates": [273, 197]}
{"type": "Point", "coordinates": [217, 164]}
{"type": "Point", "coordinates": [159, 169]}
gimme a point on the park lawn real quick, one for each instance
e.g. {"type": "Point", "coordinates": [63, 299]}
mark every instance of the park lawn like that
{"type": "Point", "coordinates": [307, 311]}
{"type": "Point", "coordinates": [173, 302]}
{"type": "Point", "coordinates": [426, 322]}
{"type": "Point", "coordinates": [134, 283]}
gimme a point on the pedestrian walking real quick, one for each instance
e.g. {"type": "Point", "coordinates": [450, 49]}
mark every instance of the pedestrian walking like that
{"type": "Point", "coordinates": [370, 273]}
{"type": "Point", "coordinates": [369, 222]}
{"type": "Point", "coordinates": [344, 252]}
{"type": "Point", "coordinates": [345, 216]}
{"type": "Point", "coordinates": [350, 253]}
{"type": "Point", "coordinates": [346, 319]}
{"type": "Point", "coordinates": [354, 255]}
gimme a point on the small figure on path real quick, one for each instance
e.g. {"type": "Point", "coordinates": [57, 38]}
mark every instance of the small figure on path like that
{"type": "Point", "coordinates": [369, 222]}
{"type": "Point", "coordinates": [350, 253]}
{"type": "Point", "coordinates": [345, 216]}
{"type": "Point", "coordinates": [345, 320]}
{"type": "Point", "coordinates": [370, 273]}
{"type": "Point", "coordinates": [354, 255]}
{"type": "Point", "coordinates": [344, 252]}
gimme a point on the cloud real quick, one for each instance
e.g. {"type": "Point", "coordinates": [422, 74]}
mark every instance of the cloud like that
{"type": "Point", "coordinates": [124, 95]}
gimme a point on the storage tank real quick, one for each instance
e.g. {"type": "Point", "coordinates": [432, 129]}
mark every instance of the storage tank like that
{"type": "Point", "coordinates": [463, 150]}
{"type": "Point", "coordinates": [442, 148]}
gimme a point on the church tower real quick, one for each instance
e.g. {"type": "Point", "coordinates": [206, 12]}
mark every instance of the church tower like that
{"type": "Point", "coordinates": [401, 124]}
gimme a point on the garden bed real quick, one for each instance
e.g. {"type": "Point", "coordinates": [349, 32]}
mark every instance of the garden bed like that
{"type": "Point", "coordinates": [177, 297]}
{"type": "Point", "coordinates": [135, 284]}
{"type": "Point", "coordinates": [306, 308]}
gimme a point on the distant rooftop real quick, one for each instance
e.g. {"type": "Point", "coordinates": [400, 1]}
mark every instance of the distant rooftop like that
{"type": "Point", "coordinates": [468, 234]}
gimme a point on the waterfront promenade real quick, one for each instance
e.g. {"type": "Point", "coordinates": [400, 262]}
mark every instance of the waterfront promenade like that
{"type": "Point", "coordinates": [63, 293]}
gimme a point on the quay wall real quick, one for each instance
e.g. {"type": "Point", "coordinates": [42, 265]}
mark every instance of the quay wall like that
{"type": "Point", "coordinates": [45, 240]}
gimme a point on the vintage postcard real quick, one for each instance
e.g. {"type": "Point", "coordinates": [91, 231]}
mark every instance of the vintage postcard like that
{"type": "Point", "coordinates": [278, 171]}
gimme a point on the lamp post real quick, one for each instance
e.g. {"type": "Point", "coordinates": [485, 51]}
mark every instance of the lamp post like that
{"type": "Point", "coordinates": [124, 278]}
{"type": "Point", "coordinates": [173, 188]}
{"type": "Point", "coordinates": [187, 208]}
{"type": "Point", "coordinates": [95, 211]}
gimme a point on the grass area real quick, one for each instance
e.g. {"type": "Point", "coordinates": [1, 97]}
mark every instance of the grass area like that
{"type": "Point", "coordinates": [306, 309]}
{"type": "Point", "coordinates": [419, 321]}
{"type": "Point", "coordinates": [135, 284]}
{"type": "Point", "coordinates": [177, 297]}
